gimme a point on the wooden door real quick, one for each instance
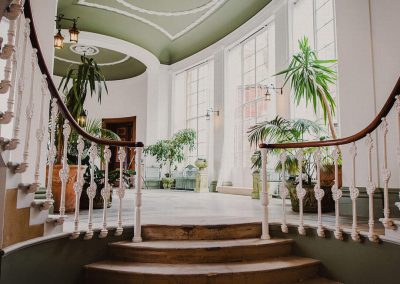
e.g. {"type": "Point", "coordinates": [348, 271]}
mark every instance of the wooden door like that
{"type": "Point", "coordinates": [125, 128]}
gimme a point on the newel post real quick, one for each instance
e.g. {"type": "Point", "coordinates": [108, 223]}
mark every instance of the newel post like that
{"type": "Point", "coordinates": [137, 237]}
{"type": "Point", "coordinates": [264, 196]}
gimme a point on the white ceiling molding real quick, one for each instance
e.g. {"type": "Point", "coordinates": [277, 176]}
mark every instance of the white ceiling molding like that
{"type": "Point", "coordinates": [169, 14]}
{"type": "Point", "coordinates": [100, 64]}
{"type": "Point", "coordinates": [211, 6]}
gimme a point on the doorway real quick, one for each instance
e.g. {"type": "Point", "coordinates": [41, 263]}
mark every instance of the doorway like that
{"type": "Point", "coordinates": [125, 128]}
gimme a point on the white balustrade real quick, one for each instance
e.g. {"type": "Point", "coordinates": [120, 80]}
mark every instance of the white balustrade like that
{"type": "Point", "coordinates": [370, 190]}
{"type": "Point", "coordinates": [91, 191]}
{"type": "Point", "coordinates": [300, 191]}
{"type": "Point", "coordinates": [264, 196]}
{"type": "Point", "coordinates": [337, 194]}
{"type": "Point", "coordinates": [283, 191]}
{"type": "Point", "coordinates": [105, 192]}
{"type": "Point", "coordinates": [52, 150]}
{"type": "Point", "coordinates": [387, 222]}
{"type": "Point", "coordinates": [78, 187]}
{"type": "Point", "coordinates": [29, 114]}
{"type": "Point", "coordinates": [319, 193]}
{"type": "Point", "coordinates": [120, 190]}
{"type": "Point", "coordinates": [354, 192]}
{"type": "Point", "coordinates": [21, 87]}
{"type": "Point", "coordinates": [64, 172]}
{"type": "Point", "coordinates": [138, 203]}
{"type": "Point", "coordinates": [8, 49]}
{"type": "Point", "coordinates": [39, 136]}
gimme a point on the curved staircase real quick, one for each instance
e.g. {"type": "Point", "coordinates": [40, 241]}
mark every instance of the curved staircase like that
{"type": "Point", "coordinates": [204, 254]}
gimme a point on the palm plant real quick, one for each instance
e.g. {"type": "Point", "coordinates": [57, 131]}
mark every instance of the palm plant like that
{"type": "Point", "coordinates": [310, 79]}
{"type": "Point", "coordinates": [280, 130]}
{"type": "Point", "coordinates": [85, 77]}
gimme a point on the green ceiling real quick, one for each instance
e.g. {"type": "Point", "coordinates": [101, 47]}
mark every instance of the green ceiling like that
{"type": "Point", "coordinates": [114, 65]}
{"type": "Point", "coordinates": [171, 29]}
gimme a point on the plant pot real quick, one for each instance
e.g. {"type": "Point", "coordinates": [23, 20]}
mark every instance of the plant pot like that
{"type": "Point", "coordinates": [69, 192]}
{"type": "Point", "coordinates": [327, 175]}
{"type": "Point", "coordinates": [98, 202]}
{"type": "Point", "coordinates": [167, 182]}
{"type": "Point", "coordinates": [310, 204]}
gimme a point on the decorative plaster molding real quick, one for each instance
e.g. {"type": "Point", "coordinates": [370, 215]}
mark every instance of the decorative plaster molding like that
{"type": "Point", "coordinates": [82, 49]}
{"type": "Point", "coordinates": [100, 64]}
{"type": "Point", "coordinates": [211, 6]}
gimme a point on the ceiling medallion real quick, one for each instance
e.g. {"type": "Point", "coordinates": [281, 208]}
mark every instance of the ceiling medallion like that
{"type": "Point", "coordinates": [209, 9]}
{"type": "Point", "coordinates": [81, 49]}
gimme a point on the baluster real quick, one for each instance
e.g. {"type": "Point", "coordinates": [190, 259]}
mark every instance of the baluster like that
{"type": "Point", "coordinates": [52, 150]}
{"type": "Point", "coordinates": [398, 137]}
{"type": "Point", "coordinates": [300, 191]}
{"type": "Point", "coordinates": [29, 114]}
{"type": "Point", "coordinates": [121, 189]}
{"type": "Point", "coordinates": [138, 225]}
{"type": "Point", "coordinates": [370, 190]}
{"type": "Point", "coordinates": [283, 191]}
{"type": "Point", "coordinates": [15, 10]}
{"type": "Point", "coordinates": [319, 193]}
{"type": "Point", "coordinates": [21, 87]}
{"type": "Point", "coordinates": [64, 172]}
{"type": "Point", "coordinates": [354, 192]}
{"type": "Point", "coordinates": [39, 136]}
{"type": "Point", "coordinates": [105, 192]}
{"type": "Point", "coordinates": [264, 196]}
{"type": "Point", "coordinates": [387, 222]}
{"type": "Point", "coordinates": [8, 115]}
{"type": "Point", "coordinates": [78, 187]}
{"type": "Point", "coordinates": [336, 195]}
{"type": "Point", "coordinates": [91, 191]}
{"type": "Point", "coordinates": [8, 48]}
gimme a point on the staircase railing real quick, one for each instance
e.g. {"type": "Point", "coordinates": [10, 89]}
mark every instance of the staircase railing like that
{"type": "Point", "coordinates": [15, 68]}
{"type": "Point", "coordinates": [333, 147]}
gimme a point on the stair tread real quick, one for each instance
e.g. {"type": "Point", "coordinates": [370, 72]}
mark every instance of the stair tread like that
{"type": "Point", "coordinates": [318, 281]}
{"type": "Point", "coordinates": [194, 244]}
{"type": "Point", "coordinates": [198, 269]}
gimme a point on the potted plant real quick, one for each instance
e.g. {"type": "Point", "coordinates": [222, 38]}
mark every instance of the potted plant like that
{"type": "Point", "coordinates": [201, 164]}
{"type": "Point", "coordinates": [281, 130]}
{"type": "Point", "coordinates": [170, 152]}
{"type": "Point", "coordinates": [76, 84]}
{"type": "Point", "coordinates": [310, 80]}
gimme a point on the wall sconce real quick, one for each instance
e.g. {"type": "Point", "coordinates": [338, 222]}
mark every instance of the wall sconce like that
{"type": "Point", "coordinates": [210, 111]}
{"type": "Point", "coordinates": [73, 32]}
{"type": "Point", "coordinates": [82, 119]}
{"type": "Point", "coordinates": [268, 94]}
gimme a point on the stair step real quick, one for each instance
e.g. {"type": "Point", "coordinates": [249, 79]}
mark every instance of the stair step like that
{"type": "Point", "coordinates": [190, 252]}
{"type": "Point", "coordinates": [278, 270]}
{"type": "Point", "coordinates": [41, 204]}
{"type": "Point", "coordinates": [201, 232]}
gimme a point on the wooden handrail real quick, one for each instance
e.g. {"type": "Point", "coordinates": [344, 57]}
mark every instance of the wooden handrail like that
{"type": "Point", "coordinates": [346, 140]}
{"type": "Point", "coordinates": [54, 92]}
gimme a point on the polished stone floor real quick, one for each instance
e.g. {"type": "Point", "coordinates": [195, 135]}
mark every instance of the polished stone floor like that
{"type": "Point", "coordinates": [189, 208]}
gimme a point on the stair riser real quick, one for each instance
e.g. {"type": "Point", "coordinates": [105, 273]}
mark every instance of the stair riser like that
{"type": "Point", "coordinates": [217, 232]}
{"type": "Point", "coordinates": [260, 277]}
{"type": "Point", "coordinates": [201, 255]}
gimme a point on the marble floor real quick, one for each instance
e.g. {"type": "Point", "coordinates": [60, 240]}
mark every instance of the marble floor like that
{"type": "Point", "coordinates": [174, 207]}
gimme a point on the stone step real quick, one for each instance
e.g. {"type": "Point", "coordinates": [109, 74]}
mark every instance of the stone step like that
{"type": "Point", "coordinates": [201, 232]}
{"type": "Point", "coordinates": [276, 270]}
{"type": "Point", "coordinates": [191, 252]}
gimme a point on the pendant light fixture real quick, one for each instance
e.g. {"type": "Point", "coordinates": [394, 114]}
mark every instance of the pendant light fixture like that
{"type": "Point", "coordinates": [73, 31]}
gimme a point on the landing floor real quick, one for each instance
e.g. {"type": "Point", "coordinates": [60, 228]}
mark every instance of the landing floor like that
{"type": "Point", "coordinates": [172, 207]}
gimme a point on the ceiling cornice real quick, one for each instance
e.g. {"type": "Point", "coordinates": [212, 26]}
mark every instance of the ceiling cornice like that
{"type": "Point", "coordinates": [210, 8]}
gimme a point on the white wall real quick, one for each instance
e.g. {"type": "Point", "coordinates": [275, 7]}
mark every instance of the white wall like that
{"type": "Point", "coordinates": [369, 65]}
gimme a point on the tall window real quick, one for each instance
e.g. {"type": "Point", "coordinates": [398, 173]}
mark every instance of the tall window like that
{"type": "Point", "coordinates": [314, 19]}
{"type": "Point", "coordinates": [198, 100]}
{"type": "Point", "coordinates": [251, 66]}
